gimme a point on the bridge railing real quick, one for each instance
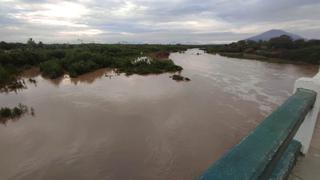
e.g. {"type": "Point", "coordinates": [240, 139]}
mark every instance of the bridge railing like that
{"type": "Point", "coordinates": [305, 132]}
{"type": "Point", "coordinates": [270, 150]}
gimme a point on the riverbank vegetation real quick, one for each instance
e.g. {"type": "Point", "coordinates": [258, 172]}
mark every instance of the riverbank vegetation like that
{"type": "Point", "coordinates": [55, 60]}
{"type": "Point", "coordinates": [75, 59]}
{"type": "Point", "coordinates": [280, 49]}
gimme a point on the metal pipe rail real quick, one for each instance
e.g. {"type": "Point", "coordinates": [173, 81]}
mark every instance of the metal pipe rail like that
{"type": "Point", "coordinates": [269, 148]}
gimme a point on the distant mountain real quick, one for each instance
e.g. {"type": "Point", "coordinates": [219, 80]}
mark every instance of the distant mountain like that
{"type": "Point", "coordinates": [266, 36]}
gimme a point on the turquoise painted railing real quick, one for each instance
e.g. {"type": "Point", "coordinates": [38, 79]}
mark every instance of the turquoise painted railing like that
{"type": "Point", "coordinates": [269, 151]}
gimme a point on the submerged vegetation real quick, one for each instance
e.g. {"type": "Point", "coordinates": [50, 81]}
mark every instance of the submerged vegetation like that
{"type": "Point", "coordinates": [7, 113]}
{"type": "Point", "coordinates": [75, 59]}
{"type": "Point", "coordinates": [280, 49]}
{"type": "Point", "coordinates": [178, 77]}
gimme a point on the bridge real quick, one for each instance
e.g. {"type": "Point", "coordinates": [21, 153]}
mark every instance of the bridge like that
{"type": "Point", "coordinates": [270, 151]}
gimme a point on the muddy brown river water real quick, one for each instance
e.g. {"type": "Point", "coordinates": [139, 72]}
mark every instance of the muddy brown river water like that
{"type": "Point", "coordinates": [102, 127]}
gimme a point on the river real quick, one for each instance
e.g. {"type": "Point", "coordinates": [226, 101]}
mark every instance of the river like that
{"type": "Point", "coordinates": [104, 126]}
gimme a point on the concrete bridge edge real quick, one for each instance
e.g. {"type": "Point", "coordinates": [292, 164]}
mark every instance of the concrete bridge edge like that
{"type": "Point", "coordinates": [305, 132]}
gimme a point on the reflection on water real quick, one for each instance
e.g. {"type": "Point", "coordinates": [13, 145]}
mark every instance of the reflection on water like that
{"type": "Point", "coordinates": [87, 78]}
{"type": "Point", "coordinates": [141, 127]}
{"type": "Point", "coordinates": [66, 79]}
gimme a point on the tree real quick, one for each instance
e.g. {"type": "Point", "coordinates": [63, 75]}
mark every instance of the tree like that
{"type": "Point", "coordinates": [40, 44]}
{"type": "Point", "coordinates": [4, 45]}
{"type": "Point", "coordinates": [31, 43]}
{"type": "Point", "coordinates": [282, 42]}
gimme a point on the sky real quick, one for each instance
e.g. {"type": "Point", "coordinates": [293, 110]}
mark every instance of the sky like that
{"type": "Point", "coordinates": [154, 21]}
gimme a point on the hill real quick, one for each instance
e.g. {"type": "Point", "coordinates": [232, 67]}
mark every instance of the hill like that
{"type": "Point", "coordinates": [266, 36]}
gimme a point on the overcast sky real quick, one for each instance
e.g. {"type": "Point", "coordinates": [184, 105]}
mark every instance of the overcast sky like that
{"type": "Point", "coordinates": [154, 21]}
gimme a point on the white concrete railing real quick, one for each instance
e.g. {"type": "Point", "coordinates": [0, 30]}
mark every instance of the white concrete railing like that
{"type": "Point", "coordinates": [305, 132]}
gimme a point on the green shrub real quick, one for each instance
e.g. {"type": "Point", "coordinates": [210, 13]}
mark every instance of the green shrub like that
{"type": "Point", "coordinates": [81, 67]}
{"type": "Point", "coordinates": [15, 112]}
{"type": "Point", "coordinates": [51, 68]}
{"type": "Point", "coordinates": [5, 112]}
{"type": "Point", "coordinates": [4, 75]}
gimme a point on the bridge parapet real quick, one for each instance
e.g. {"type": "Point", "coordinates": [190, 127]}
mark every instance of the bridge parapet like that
{"type": "Point", "coordinates": [269, 151]}
{"type": "Point", "coordinates": [305, 132]}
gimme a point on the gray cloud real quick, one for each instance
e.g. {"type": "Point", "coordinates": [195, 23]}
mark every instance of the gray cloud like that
{"type": "Point", "coordinates": [154, 21]}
